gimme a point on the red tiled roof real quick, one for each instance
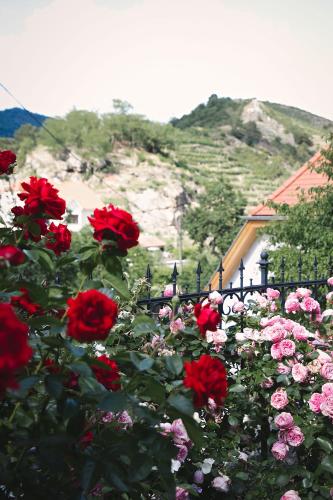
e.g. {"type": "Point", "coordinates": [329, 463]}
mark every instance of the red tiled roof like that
{"type": "Point", "coordinates": [302, 180]}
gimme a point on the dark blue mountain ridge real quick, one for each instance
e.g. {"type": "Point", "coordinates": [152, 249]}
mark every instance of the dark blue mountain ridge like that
{"type": "Point", "coordinates": [12, 119]}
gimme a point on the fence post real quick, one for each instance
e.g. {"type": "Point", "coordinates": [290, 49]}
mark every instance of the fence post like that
{"type": "Point", "coordinates": [263, 266]}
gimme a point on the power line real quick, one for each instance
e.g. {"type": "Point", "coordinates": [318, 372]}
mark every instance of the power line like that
{"type": "Point", "coordinates": [62, 144]}
{"type": "Point", "coordinates": [39, 122]}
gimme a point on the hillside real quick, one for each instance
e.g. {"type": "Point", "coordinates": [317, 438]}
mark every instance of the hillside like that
{"type": "Point", "coordinates": [148, 167]}
{"type": "Point", "coordinates": [12, 119]}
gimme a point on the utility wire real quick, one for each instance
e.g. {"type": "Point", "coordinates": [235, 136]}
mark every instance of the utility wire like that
{"type": "Point", "coordinates": [61, 143]}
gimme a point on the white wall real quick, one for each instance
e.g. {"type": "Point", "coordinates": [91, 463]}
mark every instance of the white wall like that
{"type": "Point", "coordinates": [250, 263]}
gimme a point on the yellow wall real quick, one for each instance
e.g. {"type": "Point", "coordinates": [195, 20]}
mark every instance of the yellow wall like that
{"type": "Point", "coordinates": [239, 248]}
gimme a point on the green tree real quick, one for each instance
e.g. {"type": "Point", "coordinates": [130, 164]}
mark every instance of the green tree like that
{"type": "Point", "coordinates": [217, 218]}
{"type": "Point", "coordinates": [306, 229]}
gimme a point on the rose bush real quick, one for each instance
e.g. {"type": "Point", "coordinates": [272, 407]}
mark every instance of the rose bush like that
{"type": "Point", "coordinates": [101, 400]}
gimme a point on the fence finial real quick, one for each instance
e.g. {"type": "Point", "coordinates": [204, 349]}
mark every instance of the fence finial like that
{"type": "Point", "coordinates": [263, 266]}
{"type": "Point", "coordinates": [198, 272]}
{"type": "Point", "coordinates": [174, 279]}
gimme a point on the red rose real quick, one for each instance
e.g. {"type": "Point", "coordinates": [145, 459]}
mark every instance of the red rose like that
{"type": "Point", "coordinates": [24, 302]}
{"type": "Point", "coordinates": [59, 238]}
{"type": "Point", "coordinates": [86, 439]}
{"type": "Point", "coordinates": [112, 223]}
{"type": "Point", "coordinates": [42, 199]}
{"type": "Point", "coordinates": [207, 318]}
{"type": "Point", "coordinates": [91, 316]}
{"type": "Point", "coordinates": [15, 351]}
{"type": "Point", "coordinates": [108, 376]}
{"type": "Point", "coordinates": [14, 255]}
{"type": "Point", "coordinates": [33, 228]}
{"type": "Point", "coordinates": [208, 378]}
{"type": "Point", "coordinates": [7, 158]}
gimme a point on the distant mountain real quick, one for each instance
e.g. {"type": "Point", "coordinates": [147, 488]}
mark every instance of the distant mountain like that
{"type": "Point", "coordinates": [12, 119]}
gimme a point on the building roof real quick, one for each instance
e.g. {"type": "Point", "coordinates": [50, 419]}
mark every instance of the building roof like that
{"type": "Point", "coordinates": [79, 192]}
{"type": "Point", "coordinates": [302, 180]}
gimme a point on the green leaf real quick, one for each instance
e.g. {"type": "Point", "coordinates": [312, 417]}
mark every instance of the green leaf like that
{"type": "Point", "coordinates": [282, 480]}
{"type": "Point", "coordinates": [233, 420]}
{"type": "Point", "coordinates": [70, 408]}
{"type": "Point", "coordinates": [119, 285]}
{"type": "Point", "coordinates": [181, 403]}
{"type": "Point", "coordinates": [81, 368]}
{"type": "Point", "coordinates": [243, 476]}
{"type": "Point", "coordinates": [53, 341]}
{"type": "Point", "coordinates": [141, 362]}
{"type": "Point", "coordinates": [87, 475]}
{"type": "Point", "coordinates": [114, 401]}
{"type": "Point", "coordinates": [142, 325]}
{"type": "Point", "coordinates": [25, 385]}
{"type": "Point", "coordinates": [237, 388]}
{"type": "Point", "coordinates": [54, 385]}
{"type": "Point", "coordinates": [174, 364]}
{"type": "Point", "coordinates": [325, 444]}
{"type": "Point", "coordinates": [77, 351]}
{"type": "Point", "coordinates": [327, 464]}
{"type": "Point", "coordinates": [140, 468]}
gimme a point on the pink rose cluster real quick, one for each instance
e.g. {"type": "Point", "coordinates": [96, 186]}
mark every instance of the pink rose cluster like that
{"type": "Point", "coordinates": [289, 435]}
{"type": "Point", "coordinates": [322, 402]}
{"type": "Point", "coordinates": [279, 330]}
{"type": "Point", "coordinates": [218, 338]}
{"type": "Point", "coordinates": [300, 301]}
{"type": "Point", "coordinates": [180, 437]}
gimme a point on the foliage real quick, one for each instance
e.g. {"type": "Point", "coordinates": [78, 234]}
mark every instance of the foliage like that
{"type": "Point", "coordinates": [217, 218]}
{"type": "Point", "coordinates": [217, 111]}
{"type": "Point", "coordinates": [94, 136]}
{"type": "Point", "coordinates": [247, 132]}
{"type": "Point", "coordinates": [307, 227]}
{"type": "Point", "coordinates": [136, 422]}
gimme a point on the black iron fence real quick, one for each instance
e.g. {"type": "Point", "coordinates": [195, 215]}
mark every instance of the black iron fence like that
{"type": "Point", "coordinates": [309, 280]}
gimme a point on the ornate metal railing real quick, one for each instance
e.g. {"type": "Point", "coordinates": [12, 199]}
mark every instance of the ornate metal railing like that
{"type": "Point", "coordinates": [241, 292]}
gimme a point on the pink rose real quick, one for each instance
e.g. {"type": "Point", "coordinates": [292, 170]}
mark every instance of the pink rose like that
{"type": "Point", "coordinates": [215, 297]}
{"type": "Point", "coordinates": [310, 305]}
{"type": "Point", "coordinates": [326, 407]}
{"type": "Point", "coordinates": [168, 291]}
{"type": "Point", "coordinates": [276, 351]}
{"type": "Point", "coordinates": [280, 450]}
{"type": "Point", "coordinates": [261, 300]}
{"type": "Point", "coordinates": [283, 369]}
{"type": "Point", "coordinates": [327, 389]}
{"type": "Point", "coordinates": [198, 477]}
{"type": "Point", "coordinates": [279, 399]}
{"type": "Point", "coordinates": [330, 281]}
{"type": "Point", "coordinates": [287, 347]}
{"type": "Point", "coordinates": [303, 292]}
{"type": "Point", "coordinates": [238, 307]}
{"type": "Point", "coordinates": [181, 494]}
{"type": "Point", "coordinates": [299, 332]}
{"type": "Point", "coordinates": [182, 452]}
{"type": "Point", "coordinates": [269, 321]}
{"type": "Point", "coordinates": [288, 324]}
{"type": "Point", "coordinates": [329, 297]}
{"type": "Point", "coordinates": [165, 312]}
{"type": "Point", "coordinates": [273, 307]}
{"type": "Point", "coordinates": [275, 333]}
{"type": "Point", "coordinates": [284, 420]}
{"type": "Point", "coordinates": [272, 294]}
{"type": "Point", "coordinates": [177, 326]}
{"type": "Point", "coordinates": [218, 338]}
{"type": "Point", "coordinates": [295, 436]}
{"type": "Point", "coordinates": [299, 372]}
{"type": "Point", "coordinates": [267, 383]}
{"type": "Point", "coordinates": [326, 371]}
{"type": "Point", "coordinates": [290, 495]}
{"type": "Point", "coordinates": [323, 357]}
{"type": "Point", "coordinates": [292, 305]}
{"type": "Point", "coordinates": [315, 402]}
{"type": "Point", "coordinates": [221, 483]}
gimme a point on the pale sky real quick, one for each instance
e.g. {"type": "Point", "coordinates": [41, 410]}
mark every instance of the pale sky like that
{"type": "Point", "coordinates": [165, 56]}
